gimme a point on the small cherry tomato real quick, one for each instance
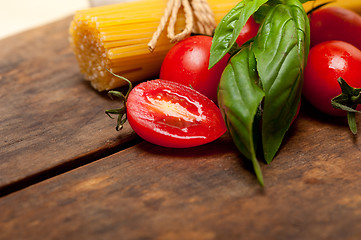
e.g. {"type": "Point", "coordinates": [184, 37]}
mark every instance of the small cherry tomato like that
{"type": "Point", "coordinates": [170, 114]}
{"type": "Point", "coordinates": [187, 63]}
{"type": "Point", "coordinates": [249, 30]}
{"type": "Point", "coordinates": [327, 62]}
{"type": "Point", "coordinates": [335, 23]}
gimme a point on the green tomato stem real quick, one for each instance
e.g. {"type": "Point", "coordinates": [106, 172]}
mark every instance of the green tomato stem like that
{"type": "Point", "coordinates": [352, 122]}
{"type": "Point", "coordinates": [121, 112]}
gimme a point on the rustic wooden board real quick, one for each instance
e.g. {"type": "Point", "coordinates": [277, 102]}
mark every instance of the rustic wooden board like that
{"type": "Point", "coordinates": [50, 117]}
{"type": "Point", "coordinates": [149, 192]}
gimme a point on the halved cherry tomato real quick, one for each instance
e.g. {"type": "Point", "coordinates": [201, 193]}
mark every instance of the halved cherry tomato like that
{"type": "Point", "coordinates": [327, 61]}
{"type": "Point", "coordinates": [335, 23]}
{"type": "Point", "coordinates": [173, 115]}
{"type": "Point", "coordinates": [187, 63]}
{"type": "Point", "coordinates": [249, 30]}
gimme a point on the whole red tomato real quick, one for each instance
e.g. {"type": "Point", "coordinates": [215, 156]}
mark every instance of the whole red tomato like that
{"type": "Point", "coordinates": [249, 30]}
{"type": "Point", "coordinates": [327, 62]}
{"type": "Point", "coordinates": [335, 23]}
{"type": "Point", "coordinates": [170, 114]}
{"type": "Point", "coordinates": [187, 63]}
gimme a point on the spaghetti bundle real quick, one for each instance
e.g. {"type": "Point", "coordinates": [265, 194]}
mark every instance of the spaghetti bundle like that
{"type": "Point", "coordinates": [115, 37]}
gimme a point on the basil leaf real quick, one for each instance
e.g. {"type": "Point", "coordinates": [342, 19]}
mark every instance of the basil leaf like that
{"type": "Point", "coordinates": [261, 13]}
{"type": "Point", "coordinates": [239, 98]}
{"type": "Point", "coordinates": [304, 1]}
{"type": "Point", "coordinates": [281, 48]}
{"type": "Point", "coordinates": [228, 29]}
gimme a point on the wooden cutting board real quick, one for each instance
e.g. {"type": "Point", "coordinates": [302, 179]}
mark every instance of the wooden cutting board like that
{"type": "Point", "coordinates": [66, 173]}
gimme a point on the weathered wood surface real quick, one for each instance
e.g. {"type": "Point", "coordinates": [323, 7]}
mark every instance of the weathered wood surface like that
{"type": "Point", "coordinates": [49, 116]}
{"type": "Point", "coordinates": [148, 192]}
{"type": "Point", "coordinates": [51, 122]}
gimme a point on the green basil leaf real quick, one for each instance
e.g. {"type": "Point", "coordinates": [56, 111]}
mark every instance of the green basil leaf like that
{"type": "Point", "coordinates": [239, 98]}
{"type": "Point", "coordinates": [262, 12]}
{"type": "Point", "coordinates": [281, 48]}
{"type": "Point", "coordinates": [229, 28]}
{"type": "Point", "coordinates": [304, 1]}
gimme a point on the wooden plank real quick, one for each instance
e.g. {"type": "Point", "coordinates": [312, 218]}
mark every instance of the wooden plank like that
{"type": "Point", "coordinates": [49, 115]}
{"type": "Point", "coordinates": [149, 192]}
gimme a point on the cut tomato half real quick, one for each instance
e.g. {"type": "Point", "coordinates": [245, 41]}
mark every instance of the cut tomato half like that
{"type": "Point", "coordinates": [170, 114]}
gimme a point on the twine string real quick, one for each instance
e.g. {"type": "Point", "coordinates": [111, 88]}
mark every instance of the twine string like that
{"type": "Point", "coordinates": [205, 16]}
{"type": "Point", "coordinates": [198, 18]}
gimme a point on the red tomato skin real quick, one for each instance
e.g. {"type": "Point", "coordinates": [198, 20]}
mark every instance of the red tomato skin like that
{"type": "Point", "coordinates": [249, 30]}
{"type": "Point", "coordinates": [158, 127]}
{"type": "Point", "coordinates": [335, 23]}
{"type": "Point", "coordinates": [187, 63]}
{"type": "Point", "coordinates": [297, 113]}
{"type": "Point", "coordinates": [327, 62]}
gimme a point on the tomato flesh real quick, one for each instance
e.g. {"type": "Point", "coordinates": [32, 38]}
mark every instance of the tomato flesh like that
{"type": "Point", "coordinates": [173, 115]}
{"type": "Point", "coordinates": [187, 63]}
{"type": "Point", "coordinates": [327, 62]}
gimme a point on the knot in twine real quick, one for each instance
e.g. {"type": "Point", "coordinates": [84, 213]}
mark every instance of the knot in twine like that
{"type": "Point", "coordinates": [194, 9]}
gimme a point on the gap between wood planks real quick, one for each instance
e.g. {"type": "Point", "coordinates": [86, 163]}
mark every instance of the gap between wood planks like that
{"type": "Point", "coordinates": [65, 167]}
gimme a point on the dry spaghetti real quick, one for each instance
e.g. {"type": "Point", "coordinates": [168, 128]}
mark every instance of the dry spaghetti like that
{"type": "Point", "coordinates": [116, 36]}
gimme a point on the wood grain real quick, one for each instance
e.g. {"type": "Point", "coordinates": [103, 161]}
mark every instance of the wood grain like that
{"type": "Point", "coordinates": [149, 192]}
{"type": "Point", "coordinates": [49, 115]}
